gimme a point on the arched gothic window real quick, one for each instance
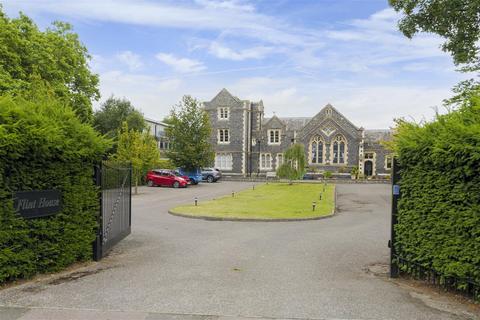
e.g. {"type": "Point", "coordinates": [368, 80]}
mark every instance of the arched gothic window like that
{"type": "Point", "coordinates": [339, 146]}
{"type": "Point", "coordinates": [317, 150]}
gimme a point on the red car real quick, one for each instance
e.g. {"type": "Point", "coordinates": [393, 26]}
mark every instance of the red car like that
{"type": "Point", "coordinates": [165, 178]}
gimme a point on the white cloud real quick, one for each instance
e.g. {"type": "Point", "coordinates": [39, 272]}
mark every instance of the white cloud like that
{"type": "Point", "coordinates": [169, 85]}
{"type": "Point", "coordinates": [223, 52]}
{"type": "Point", "coordinates": [226, 4]}
{"type": "Point", "coordinates": [132, 60]}
{"type": "Point", "coordinates": [224, 16]}
{"type": "Point", "coordinates": [183, 65]}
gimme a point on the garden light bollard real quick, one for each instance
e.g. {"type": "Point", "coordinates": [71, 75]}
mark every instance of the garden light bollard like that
{"type": "Point", "coordinates": [320, 196]}
{"type": "Point", "coordinates": [314, 204]}
{"type": "Point", "coordinates": [233, 194]}
{"type": "Point", "coordinates": [196, 201]}
{"type": "Point", "coordinates": [253, 187]}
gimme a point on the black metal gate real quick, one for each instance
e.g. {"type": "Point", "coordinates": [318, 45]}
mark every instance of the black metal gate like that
{"type": "Point", "coordinates": [115, 218]}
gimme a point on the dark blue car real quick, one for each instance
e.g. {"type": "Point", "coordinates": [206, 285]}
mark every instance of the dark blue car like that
{"type": "Point", "coordinates": [194, 175]}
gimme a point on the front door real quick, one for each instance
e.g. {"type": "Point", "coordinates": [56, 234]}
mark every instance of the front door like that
{"type": "Point", "coordinates": [368, 168]}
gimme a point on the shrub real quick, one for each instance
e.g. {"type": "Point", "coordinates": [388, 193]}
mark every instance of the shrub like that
{"type": "Point", "coordinates": [438, 214]}
{"type": "Point", "coordinates": [327, 174]}
{"type": "Point", "coordinates": [293, 167]}
{"type": "Point", "coordinates": [43, 145]}
{"type": "Point", "coordinates": [354, 172]}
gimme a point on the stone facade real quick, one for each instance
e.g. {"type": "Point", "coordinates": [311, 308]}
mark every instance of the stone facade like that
{"type": "Point", "coordinates": [246, 143]}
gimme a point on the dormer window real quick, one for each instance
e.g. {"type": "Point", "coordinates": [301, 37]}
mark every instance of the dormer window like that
{"type": "Point", "coordinates": [274, 136]}
{"type": "Point", "coordinates": [223, 113]}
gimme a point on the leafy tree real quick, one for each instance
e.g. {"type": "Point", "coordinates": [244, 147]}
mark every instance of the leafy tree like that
{"type": "Point", "coordinates": [189, 131]}
{"type": "Point", "coordinates": [138, 148]}
{"type": "Point", "coordinates": [458, 21]}
{"type": "Point", "coordinates": [293, 167]}
{"type": "Point", "coordinates": [113, 113]}
{"type": "Point", "coordinates": [54, 58]}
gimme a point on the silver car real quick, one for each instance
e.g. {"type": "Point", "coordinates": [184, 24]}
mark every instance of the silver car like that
{"type": "Point", "coordinates": [211, 174]}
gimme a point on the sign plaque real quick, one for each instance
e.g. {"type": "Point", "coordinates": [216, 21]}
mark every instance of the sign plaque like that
{"type": "Point", "coordinates": [37, 203]}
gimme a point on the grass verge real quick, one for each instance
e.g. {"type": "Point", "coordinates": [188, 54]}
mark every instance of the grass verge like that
{"type": "Point", "coordinates": [267, 202]}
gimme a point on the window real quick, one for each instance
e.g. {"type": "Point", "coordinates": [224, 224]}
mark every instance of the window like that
{"type": "Point", "coordinates": [338, 150]}
{"type": "Point", "coordinates": [223, 113]}
{"type": "Point", "coordinates": [223, 136]}
{"type": "Point", "coordinates": [223, 161]}
{"type": "Point", "coordinates": [279, 160]}
{"type": "Point", "coordinates": [265, 161]}
{"type": "Point", "coordinates": [368, 155]}
{"type": "Point", "coordinates": [164, 144]}
{"type": "Point", "coordinates": [274, 136]}
{"type": "Point", "coordinates": [388, 162]}
{"type": "Point", "coordinates": [316, 150]}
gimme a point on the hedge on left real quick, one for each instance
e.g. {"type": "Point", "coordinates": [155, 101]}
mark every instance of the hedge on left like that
{"type": "Point", "coordinates": [43, 145]}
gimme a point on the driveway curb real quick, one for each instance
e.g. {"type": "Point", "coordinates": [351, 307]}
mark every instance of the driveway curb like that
{"type": "Point", "coordinates": [333, 213]}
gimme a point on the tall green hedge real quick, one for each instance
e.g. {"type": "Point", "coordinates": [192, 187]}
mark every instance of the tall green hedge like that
{"type": "Point", "coordinates": [43, 145]}
{"type": "Point", "coordinates": [439, 211]}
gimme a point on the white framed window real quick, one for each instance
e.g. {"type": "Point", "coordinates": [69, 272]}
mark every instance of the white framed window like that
{"type": "Point", "coordinates": [279, 161]}
{"type": "Point", "coordinates": [339, 147]}
{"type": "Point", "coordinates": [265, 161]}
{"type": "Point", "coordinates": [274, 136]}
{"type": "Point", "coordinates": [388, 162]}
{"type": "Point", "coordinates": [317, 150]}
{"type": "Point", "coordinates": [223, 113]}
{"type": "Point", "coordinates": [223, 161]}
{"type": "Point", "coordinates": [223, 136]}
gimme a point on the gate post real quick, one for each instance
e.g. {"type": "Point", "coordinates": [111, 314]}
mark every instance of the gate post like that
{"type": "Point", "coordinates": [395, 196]}
{"type": "Point", "coordinates": [97, 243]}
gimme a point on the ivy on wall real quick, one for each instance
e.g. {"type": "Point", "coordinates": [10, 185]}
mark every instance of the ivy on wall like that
{"type": "Point", "coordinates": [43, 145]}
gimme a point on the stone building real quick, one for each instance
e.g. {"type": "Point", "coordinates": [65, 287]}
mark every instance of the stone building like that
{"type": "Point", "coordinates": [246, 143]}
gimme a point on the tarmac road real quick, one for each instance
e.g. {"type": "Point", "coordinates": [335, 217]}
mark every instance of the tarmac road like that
{"type": "Point", "coordinates": [178, 268]}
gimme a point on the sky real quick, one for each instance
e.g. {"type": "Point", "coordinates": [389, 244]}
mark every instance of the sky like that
{"type": "Point", "coordinates": [295, 55]}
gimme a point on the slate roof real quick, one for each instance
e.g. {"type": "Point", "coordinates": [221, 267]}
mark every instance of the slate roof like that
{"type": "Point", "coordinates": [292, 123]}
{"type": "Point", "coordinates": [377, 135]}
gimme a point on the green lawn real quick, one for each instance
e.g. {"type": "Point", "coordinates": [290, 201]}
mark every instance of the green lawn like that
{"type": "Point", "coordinates": [267, 201]}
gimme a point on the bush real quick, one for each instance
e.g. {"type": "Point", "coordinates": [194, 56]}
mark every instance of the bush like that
{"type": "Point", "coordinates": [327, 174]}
{"type": "Point", "coordinates": [438, 214]}
{"type": "Point", "coordinates": [45, 146]}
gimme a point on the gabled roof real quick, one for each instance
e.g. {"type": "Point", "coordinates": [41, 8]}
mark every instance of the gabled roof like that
{"type": "Point", "coordinates": [330, 113]}
{"type": "Point", "coordinates": [271, 122]}
{"type": "Point", "coordinates": [225, 93]}
{"type": "Point", "coordinates": [292, 123]}
{"type": "Point", "coordinates": [224, 98]}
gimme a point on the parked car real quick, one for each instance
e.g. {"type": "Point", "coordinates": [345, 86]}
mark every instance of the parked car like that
{"type": "Point", "coordinates": [194, 175]}
{"type": "Point", "coordinates": [178, 174]}
{"type": "Point", "coordinates": [211, 174]}
{"type": "Point", "coordinates": [161, 177]}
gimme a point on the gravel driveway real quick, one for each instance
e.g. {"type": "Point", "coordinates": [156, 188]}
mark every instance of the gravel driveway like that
{"type": "Point", "coordinates": [179, 268]}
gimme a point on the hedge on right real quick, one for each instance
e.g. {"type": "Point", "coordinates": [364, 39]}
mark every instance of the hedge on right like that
{"type": "Point", "coordinates": [439, 211]}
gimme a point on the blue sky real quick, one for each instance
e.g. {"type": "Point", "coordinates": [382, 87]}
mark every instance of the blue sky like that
{"type": "Point", "coordinates": [295, 55]}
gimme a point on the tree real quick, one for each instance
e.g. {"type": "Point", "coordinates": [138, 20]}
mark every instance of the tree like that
{"type": "Point", "coordinates": [189, 131]}
{"type": "Point", "coordinates": [138, 148]}
{"type": "Point", "coordinates": [293, 167]}
{"type": "Point", "coordinates": [55, 58]}
{"type": "Point", "coordinates": [458, 21]}
{"type": "Point", "coordinates": [113, 113]}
